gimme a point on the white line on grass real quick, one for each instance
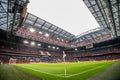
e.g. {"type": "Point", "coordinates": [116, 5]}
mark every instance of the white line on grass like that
{"type": "Point", "coordinates": [62, 75]}
{"type": "Point", "coordinates": [43, 72]}
{"type": "Point", "coordinates": [84, 71]}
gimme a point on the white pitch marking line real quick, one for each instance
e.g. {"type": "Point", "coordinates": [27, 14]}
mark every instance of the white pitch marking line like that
{"type": "Point", "coordinates": [62, 75]}
{"type": "Point", "coordinates": [42, 72]}
{"type": "Point", "coordinates": [84, 71]}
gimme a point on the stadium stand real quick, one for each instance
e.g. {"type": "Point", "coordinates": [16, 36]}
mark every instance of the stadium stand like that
{"type": "Point", "coordinates": [45, 51]}
{"type": "Point", "coordinates": [101, 43]}
{"type": "Point", "coordinates": [109, 52]}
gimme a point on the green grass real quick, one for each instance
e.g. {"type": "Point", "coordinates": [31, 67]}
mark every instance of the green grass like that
{"type": "Point", "coordinates": [75, 71]}
{"type": "Point", "coordinates": [111, 73]}
{"type": "Point", "coordinates": [55, 71]}
{"type": "Point", "coordinates": [10, 72]}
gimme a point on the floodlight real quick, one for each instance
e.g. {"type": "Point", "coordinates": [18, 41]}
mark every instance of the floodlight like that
{"type": "Point", "coordinates": [26, 42]}
{"type": "Point", "coordinates": [66, 41]}
{"type": "Point", "coordinates": [40, 32]}
{"type": "Point", "coordinates": [39, 44]}
{"type": "Point", "coordinates": [49, 46]}
{"type": "Point", "coordinates": [72, 45]}
{"type": "Point", "coordinates": [32, 30]}
{"type": "Point", "coordinates": [57, 48]}
{"type": "Point", "coordinates": [32, 43]}
{"type": "Point", "coordinates": [47, 35]}
{"type": "Point", "coordinates": [53, 47]}
{"type": "Point", "coordinates": [62, 39]}
{"type": "Point", "coordinates": [76, 49]}
{"type": "Point", "coordinates": [58, 38]}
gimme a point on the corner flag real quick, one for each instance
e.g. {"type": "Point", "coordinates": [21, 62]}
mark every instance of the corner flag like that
{"type": "Point", "coordinates": [64, 55]}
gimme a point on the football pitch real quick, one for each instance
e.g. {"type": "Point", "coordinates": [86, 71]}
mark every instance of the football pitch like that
{"type": "Point", "coordinates": [74, 71]}
{"type": "Point", "coordinates": [55, 71]}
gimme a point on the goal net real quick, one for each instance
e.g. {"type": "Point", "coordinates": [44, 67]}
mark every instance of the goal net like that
{"type": "Point", "coordinates": [12, 61]}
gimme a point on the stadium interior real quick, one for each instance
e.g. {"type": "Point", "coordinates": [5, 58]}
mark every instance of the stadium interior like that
{"type": "Point", "coordinates": [26, 35]}
{"type": "Point", "coordinates": [26, 38]}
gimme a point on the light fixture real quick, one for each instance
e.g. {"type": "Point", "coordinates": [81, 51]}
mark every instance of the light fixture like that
{"type": "Point", "coordinates": [49, 46]}
{"type": "Point", "coordinates": [47, 35]}
{"type": "Point", "coordinates": [39, 44]}
{"type": "Point", "coordinates": [76, 49]}
{"type": "Point", "coordinates": [32, 43]}
{"type": "Point", "coordinates": [32, 30]}
{"type": "Point", "coordinates": [26, 42]}
{"type": "Point", "coordinates": [57, 48]}
{"type": "Point", "coordinates": [58, 38]}
{"type": "Point", "coordinates": [53, 47]}
{"type": "Point", "coordinates": [72, 45]}
{"type": "Point", "coordinates": [62, 40]}
{"type": "Point", "coordinates": [40, 32]}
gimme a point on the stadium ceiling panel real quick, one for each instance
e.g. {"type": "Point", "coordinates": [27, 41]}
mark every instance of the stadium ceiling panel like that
{"type": "Point", "coordinates": [46, 27]}
{"type": "Point", "coordinates": [106, 13]}
{"type": "Point", "coordinates": [3, 14]}
{"type": "Point", "coordinates": [93, 36]}
{"type": "Point", "coordinates": [11, 15]}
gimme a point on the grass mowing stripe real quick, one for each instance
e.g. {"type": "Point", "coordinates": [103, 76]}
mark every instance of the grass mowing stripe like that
{"type": "Point", "coordinates": [43, 72]}
{"type": "Point", "coordinates": [55, 71]}
{"type": "Point", "coordinates": [111, 73]}
{"type": "Point", "coordinates": [62, 75]}
{"type": "Point", "coordinates": [84, 71]}
{"type": "Point", "coordinates": [10, 72]}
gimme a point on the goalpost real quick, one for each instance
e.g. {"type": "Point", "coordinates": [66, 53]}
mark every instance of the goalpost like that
{"type": "Point", "coordinates": [1, 62]}
{"type": "Point", "coordinates": [12, 61]}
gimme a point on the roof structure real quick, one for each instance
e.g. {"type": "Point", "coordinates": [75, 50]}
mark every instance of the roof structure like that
{"type": "Point", "coordinates": [93, 36]}
{"type": "Point", "coordinates": [3, 14]}
{"type": "Point", "coordinates": [43, 26]}
{"type": "Point", "coordinates": [11, 13]}
{"type": "Point", "coordinates": [106, 12]}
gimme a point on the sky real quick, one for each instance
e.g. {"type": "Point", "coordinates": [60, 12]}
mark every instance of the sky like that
{"type": "Point", "coordinates": [70, 15]}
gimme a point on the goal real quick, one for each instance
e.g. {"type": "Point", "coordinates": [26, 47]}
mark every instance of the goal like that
{"type": "Point", "coordinates": [12, 61]}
